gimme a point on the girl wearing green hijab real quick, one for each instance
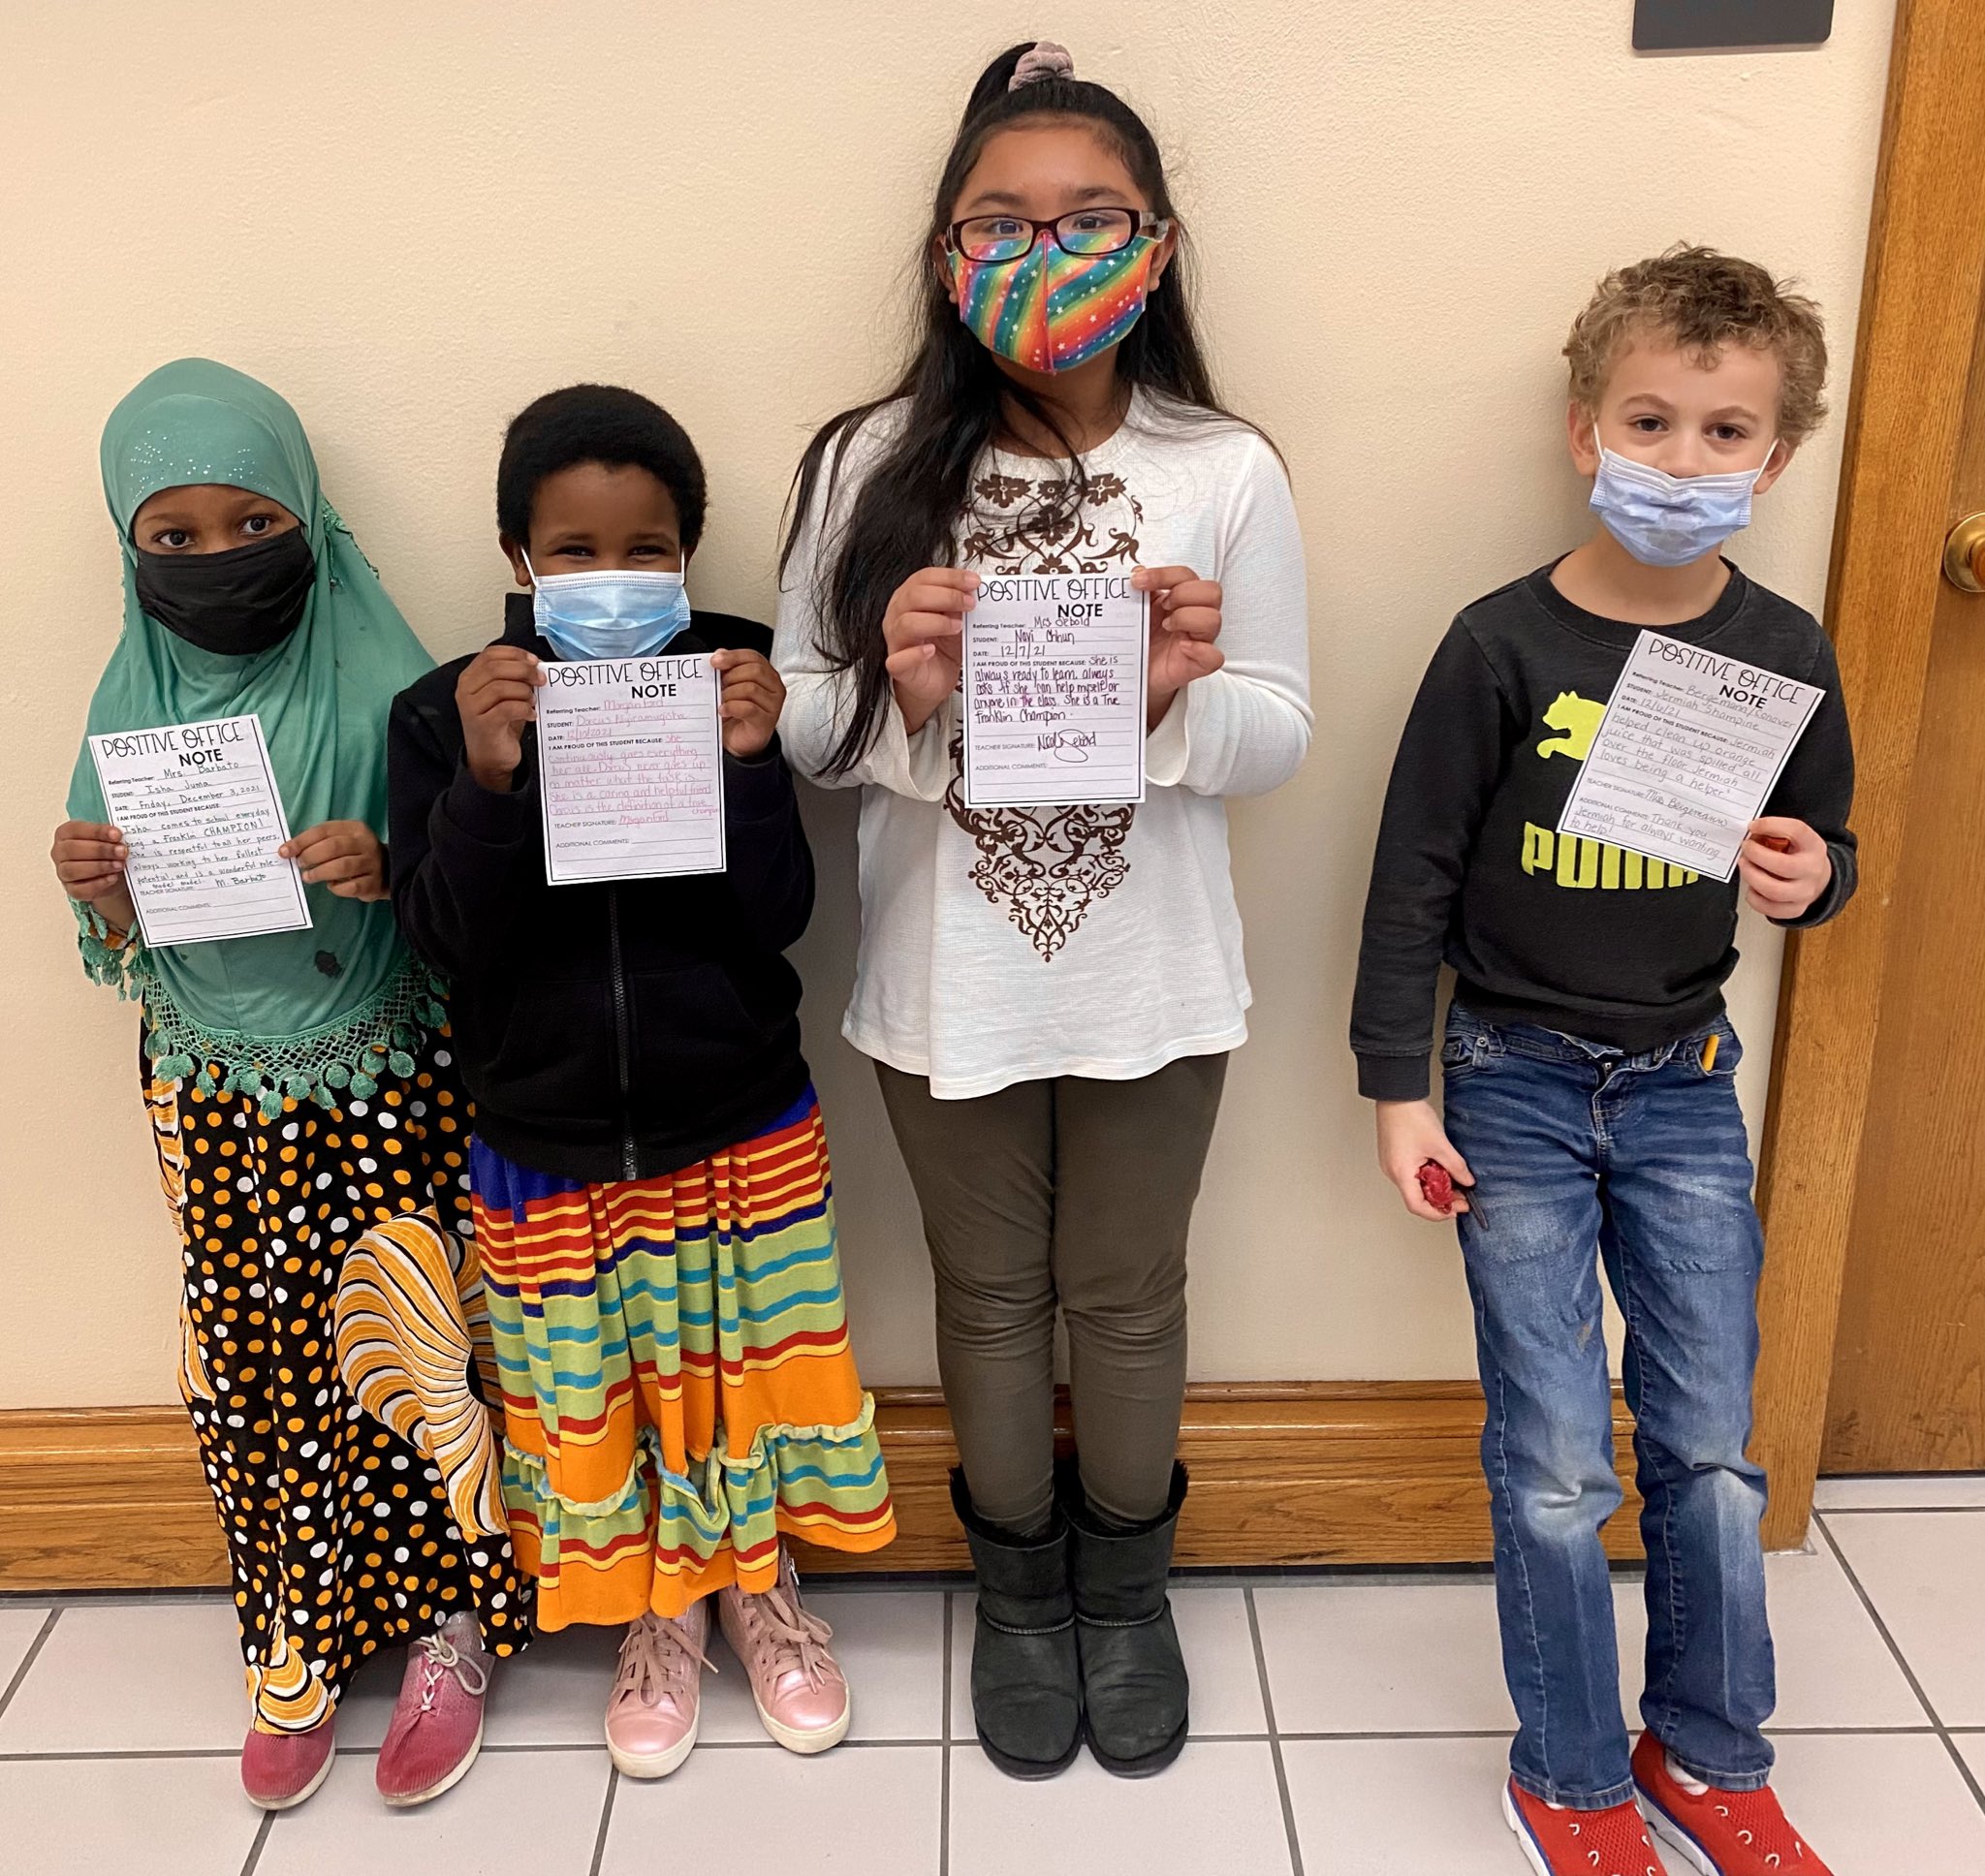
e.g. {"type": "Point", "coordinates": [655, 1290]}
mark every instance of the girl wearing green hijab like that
{"type": "Point", "coordinates": [311, 1131]}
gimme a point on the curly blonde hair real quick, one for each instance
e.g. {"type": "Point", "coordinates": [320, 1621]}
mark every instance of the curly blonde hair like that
{"type": "Point", "coordinates": [1700, 301]}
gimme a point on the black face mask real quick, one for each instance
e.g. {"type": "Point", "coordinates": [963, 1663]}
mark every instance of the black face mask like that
{"type": "Point", "coordinates": [236, 602]}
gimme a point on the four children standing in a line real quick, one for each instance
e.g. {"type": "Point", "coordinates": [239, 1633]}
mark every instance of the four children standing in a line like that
{"type": "Point", "coordinates": [1050, 996]}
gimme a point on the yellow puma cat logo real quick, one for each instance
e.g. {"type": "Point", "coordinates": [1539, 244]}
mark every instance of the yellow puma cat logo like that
{"type": "Point", "coordinates": [1580, 721]}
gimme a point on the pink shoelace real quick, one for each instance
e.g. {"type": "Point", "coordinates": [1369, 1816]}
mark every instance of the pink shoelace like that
{"type": "Point", "coordinates": [657, 1660]}
{"type": "Point", "coordinates": [788, 1635]}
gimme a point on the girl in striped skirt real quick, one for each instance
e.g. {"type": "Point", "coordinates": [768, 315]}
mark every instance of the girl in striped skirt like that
{"type": "Point", "coordinates": [654, 1205]}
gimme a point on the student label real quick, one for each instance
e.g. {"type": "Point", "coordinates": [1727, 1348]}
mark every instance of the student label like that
{"type": "Point", "coordinates": [198, 806]}
{"type": "Point", "coordinates": [1686, 755]}
{"type": "Point", "coordinates": [1055, 667]}
{"type": "Point", "coordinates": [631, 768]}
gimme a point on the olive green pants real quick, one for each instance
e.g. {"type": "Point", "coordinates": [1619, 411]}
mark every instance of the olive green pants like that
{"type": "Point", "coordinates": [1074, 1192]}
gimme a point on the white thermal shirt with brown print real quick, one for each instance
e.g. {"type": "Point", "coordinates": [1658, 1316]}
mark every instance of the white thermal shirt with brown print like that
{"type": "Point", "coordinates": [1017, 944]}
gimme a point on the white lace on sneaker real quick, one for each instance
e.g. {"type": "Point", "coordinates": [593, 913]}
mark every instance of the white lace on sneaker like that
{"type": "Point", "coordinates": [441, 1657]}
{"type": "Point", "coordinates": [658, 1661]}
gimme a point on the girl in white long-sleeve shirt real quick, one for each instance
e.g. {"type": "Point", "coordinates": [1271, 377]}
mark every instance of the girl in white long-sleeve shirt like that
{"type": "Point", "coordinates": [1050, 994]}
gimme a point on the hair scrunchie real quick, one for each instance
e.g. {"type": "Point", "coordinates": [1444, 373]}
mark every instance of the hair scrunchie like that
{"type": "Point", "coordinates": [1043, 60]}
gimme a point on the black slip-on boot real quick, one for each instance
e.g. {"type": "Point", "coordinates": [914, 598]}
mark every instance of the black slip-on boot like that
{"type": "Point", "coordinates": [1133, 1676]}
{"type": "Point", "coordinates": [1026, 1685]}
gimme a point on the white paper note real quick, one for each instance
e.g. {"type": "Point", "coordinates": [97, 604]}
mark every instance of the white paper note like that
{"type": "Point", "coordinates": [198, 806]}
{"type": "Point", "coordinates": [1687, 755]}
{"type": "Point", "coordinates": [1055, 690]}
{"type": "Point", "coordinates": [631, 768]}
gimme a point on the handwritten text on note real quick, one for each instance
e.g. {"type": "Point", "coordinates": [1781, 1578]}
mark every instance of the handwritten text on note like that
{"type": "Point", "coordinates": [198, 806]}
{"type": "Point", "coordinates": [1687, 755]}
{"type": "Point", "coordinates": [631, 768]}
{"type": "Point", "coordinates": [1055, 690]}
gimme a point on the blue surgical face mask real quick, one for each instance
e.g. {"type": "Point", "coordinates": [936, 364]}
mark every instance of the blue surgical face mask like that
{"type": "Point", "coordinates": [608, 615]}
{"type": "Point", "coordinates": [1666, 520]}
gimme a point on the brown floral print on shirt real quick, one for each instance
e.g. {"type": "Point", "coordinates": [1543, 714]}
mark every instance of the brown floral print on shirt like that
{"type": "Point", "coordinates": [1018, 526]}
{"type": "Point", "coordinates": [1046, 867]}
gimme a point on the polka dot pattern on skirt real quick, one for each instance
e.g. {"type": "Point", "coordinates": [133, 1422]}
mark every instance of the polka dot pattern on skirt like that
{"type": "Point", "coordinates": [340, 1532]}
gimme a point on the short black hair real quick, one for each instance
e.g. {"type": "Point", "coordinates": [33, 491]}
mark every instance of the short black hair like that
{"type": "Point", "coordinates": [596, 424]}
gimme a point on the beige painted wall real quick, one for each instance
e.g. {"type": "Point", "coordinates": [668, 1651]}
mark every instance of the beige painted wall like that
{"type": "Point", "coordinates": [412, 219]}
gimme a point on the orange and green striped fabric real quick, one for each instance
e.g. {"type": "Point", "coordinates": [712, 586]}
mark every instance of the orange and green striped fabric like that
{"type": "Point", "coordinates": [678, 1386]}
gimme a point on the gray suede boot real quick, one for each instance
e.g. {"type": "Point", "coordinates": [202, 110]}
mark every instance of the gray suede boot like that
{"type": "Point", "coordinates": [1027, 1686]}
{"type": "Point", "coordinates": [1133, 1676]}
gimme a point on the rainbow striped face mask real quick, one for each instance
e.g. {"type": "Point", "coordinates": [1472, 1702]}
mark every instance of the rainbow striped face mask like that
{"type": "Point", "coordinates": [1051, 311]}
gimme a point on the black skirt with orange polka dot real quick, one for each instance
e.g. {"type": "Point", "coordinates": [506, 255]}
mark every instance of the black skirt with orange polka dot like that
{"type": "Point", "coordinates": [345, 1532]}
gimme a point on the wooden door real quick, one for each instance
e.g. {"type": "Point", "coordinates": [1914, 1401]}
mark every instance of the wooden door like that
{"type": "Point", "coordinates": [1873, 1304]}
{"type": "Point", "coordinates": [1908, 1374]}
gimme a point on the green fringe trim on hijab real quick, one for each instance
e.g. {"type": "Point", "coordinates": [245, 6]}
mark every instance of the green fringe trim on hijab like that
{"type": "Point", "coordinates": [294, 1013]}
{"type": "Point", "coordinates": [348, 1056]}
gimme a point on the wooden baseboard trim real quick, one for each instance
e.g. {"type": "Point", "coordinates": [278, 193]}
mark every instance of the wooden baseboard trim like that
{"type": "Point", "coordinates": [1382, 1472]}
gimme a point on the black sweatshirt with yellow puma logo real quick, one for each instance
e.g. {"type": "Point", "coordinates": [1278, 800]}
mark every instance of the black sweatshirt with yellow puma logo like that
{"type": "Point", "coordinates": [1571, 934]}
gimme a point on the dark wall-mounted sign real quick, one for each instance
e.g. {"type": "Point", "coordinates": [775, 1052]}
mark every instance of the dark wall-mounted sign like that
{"type": "Point", "coordinates": [1710, 25]}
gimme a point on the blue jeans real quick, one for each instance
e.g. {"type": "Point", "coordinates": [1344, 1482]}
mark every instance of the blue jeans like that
{"type": "Point", "coordinates": [1642, 1159]}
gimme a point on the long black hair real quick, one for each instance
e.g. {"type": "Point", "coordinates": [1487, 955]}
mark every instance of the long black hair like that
{"type": "Point", "coordinates": [956, 398]}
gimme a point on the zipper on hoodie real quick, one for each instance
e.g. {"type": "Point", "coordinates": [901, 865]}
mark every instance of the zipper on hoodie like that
{"type": "Point", "coordinates": [623, 1041]}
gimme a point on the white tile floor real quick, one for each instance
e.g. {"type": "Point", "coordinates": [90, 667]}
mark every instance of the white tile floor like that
{"type": "Point", "coordinates": [1346, 1724]}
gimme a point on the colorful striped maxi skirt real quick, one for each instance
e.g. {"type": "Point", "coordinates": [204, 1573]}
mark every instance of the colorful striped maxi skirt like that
{"type": "Point", "coordinates": [678, 1386]}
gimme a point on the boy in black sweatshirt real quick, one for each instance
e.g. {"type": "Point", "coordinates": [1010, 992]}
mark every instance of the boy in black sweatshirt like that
{"type": "Point", "coordinates": [1589, 1112]}
{"type": "Point", "coordinates": [653, 1210]}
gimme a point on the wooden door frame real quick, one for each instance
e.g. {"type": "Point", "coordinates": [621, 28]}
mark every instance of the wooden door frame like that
{"type": "Point", "coordinates": [1919, 314]}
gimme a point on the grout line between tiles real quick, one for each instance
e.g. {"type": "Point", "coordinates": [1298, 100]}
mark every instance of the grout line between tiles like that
{"type": "Point", "coordinates": [60, 1599]}
{"type": "Point", "coordinates": [124, 1752]}
{"type": "Point", "coordinates": [1453, 1732]}
{"type": "Point", "coordinates": [1274, 1742]}
{"type": "Point", "coordinates": [1503, 1733]}
{"type": "Point", "coordinates": [606, 1819]}
{"type": "Point", "coordinates": [502, 1751]}
{"type": "Point", "coordinates": [263, 1830]}
{"type": "Point", "coordinates": [1943, 1732]}
{"type": "Point", "coordinates": [1901, 1511]}
{"type": "Point", "coordinates": [846, 1745]}
{"type": "Point", "coordinates": [141, 1753]}
{"type": "Point", "coordinates": [944, 1734]}
{"type": "Point", "coordinates": [27, 1660]}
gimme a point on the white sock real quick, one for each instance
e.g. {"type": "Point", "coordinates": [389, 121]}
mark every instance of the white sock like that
{"type": "Point", "coordinates": [1688, 1782]}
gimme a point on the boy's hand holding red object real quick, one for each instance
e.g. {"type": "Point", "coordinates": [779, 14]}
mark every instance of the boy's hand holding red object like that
{"type": "Point", "coordinates": [1410, 1141]}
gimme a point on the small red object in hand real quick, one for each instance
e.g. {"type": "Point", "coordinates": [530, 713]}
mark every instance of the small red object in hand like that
{"type": "Point", "coordinates": [1436, 1185]}
{"type": "Point", "coordinates": [1777, 842]}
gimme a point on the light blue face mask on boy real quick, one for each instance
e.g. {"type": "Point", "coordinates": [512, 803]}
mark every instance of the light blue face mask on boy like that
{"type": "Point", "coordinates": [626, 613]}
{"type": "Point", "coordinates": [1666, 520]}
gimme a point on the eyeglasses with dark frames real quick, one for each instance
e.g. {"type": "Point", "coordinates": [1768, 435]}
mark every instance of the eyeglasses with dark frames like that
{"type": "Point", "coordinates": [999, 241]}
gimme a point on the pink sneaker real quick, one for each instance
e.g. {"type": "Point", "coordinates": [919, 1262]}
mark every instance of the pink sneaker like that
{"type": "Point", "coordinates": [657, 1697]}
{"type": "Point", "coordinates": [437, 1722]}
{"type": "Point", "coordinates": [279, 1769]}
{"type": "Point", "coordinates": [797, 1685]}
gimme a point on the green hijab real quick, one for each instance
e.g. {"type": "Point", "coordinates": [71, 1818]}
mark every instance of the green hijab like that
{"type": "Point", "coordinates": [272, 1009]}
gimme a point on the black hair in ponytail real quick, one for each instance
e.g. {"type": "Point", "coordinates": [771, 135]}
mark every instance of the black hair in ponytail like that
{"type": "Point", "coordinates": [903, 515]}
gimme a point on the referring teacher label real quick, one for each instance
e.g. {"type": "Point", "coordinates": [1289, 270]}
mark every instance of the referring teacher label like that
{"type": "Point", "coordinates": [198, 806]}
{"type": "Point", "coordinates": [1055, 667]}
{"type": "Point", "coordinates": [631, 768]}
{"type": "Point", "coordinates": [1687, 754]}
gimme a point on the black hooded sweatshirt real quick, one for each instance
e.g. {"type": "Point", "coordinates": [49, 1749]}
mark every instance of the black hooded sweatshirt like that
{"type": "Point", "coordinates": [609, 1030]}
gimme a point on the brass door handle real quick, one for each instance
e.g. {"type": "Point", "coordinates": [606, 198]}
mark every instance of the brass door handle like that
{"type": "Point", "coordinates": [1964, 554]}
